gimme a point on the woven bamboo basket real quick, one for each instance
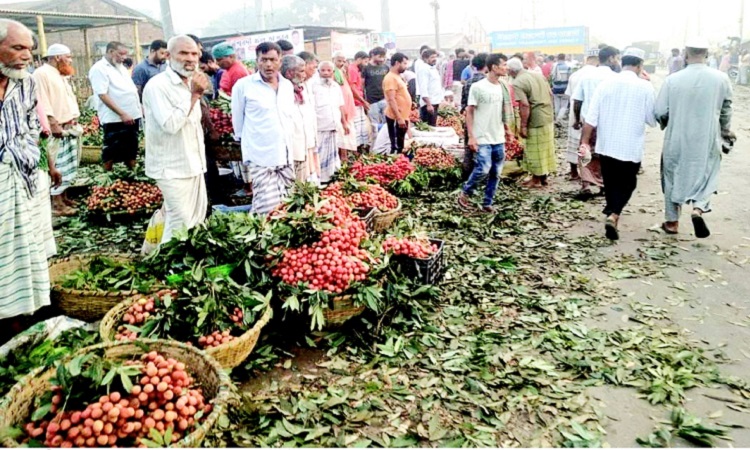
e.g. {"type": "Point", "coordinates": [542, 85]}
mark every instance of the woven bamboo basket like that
{"type": "Point", "coordinates": [382, 220]}
{"type": "Point", "coordinates": [229, 355]}
{"type": "Point", "coordinates": [342, 311]}
{"type": "Point", "coordinates": [86, 305]}
{"type": "Point", "coordinates": [91, 154]}
{"type": "Point", "coordinates": [16, 407]}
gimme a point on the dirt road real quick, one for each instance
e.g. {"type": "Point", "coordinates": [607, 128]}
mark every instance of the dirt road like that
{"type": "Point", "coordinates": [704, 287]}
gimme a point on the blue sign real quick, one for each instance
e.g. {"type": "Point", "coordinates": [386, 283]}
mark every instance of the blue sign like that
{"type": "Point", "coordinates": [540, 39]}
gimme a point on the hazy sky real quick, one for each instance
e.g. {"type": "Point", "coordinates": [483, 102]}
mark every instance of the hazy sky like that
{"type": "Point", "coordinates": [616, 22]}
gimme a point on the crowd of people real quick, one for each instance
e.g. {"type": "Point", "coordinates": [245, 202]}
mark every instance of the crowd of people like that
{"type": "Point", "coordinates": [297, 119]}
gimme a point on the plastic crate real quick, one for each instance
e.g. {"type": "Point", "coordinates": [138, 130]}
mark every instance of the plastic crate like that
{"type": "Point", "coordinates": [425, 271]}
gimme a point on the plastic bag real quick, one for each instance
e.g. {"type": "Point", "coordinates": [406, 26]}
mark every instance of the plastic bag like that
{"type": "Point", "coordinates": [154, 232]}
{"type": "Point", "coordinates": [49, 329]}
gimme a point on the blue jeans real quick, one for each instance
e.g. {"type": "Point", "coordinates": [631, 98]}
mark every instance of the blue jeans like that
{"type": "Point", "coordinates": [488, 164]}
{"type": "Point", "coordinates": [377, 118]}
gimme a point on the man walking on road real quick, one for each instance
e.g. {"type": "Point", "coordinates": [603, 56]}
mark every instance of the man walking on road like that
{"type": "Point", "coordinates": [560, 76]}
{"type": "Point", "coordinates": [696, 121]}
{"type": "Point", "coordinates": [619, 111]}
{"type": "Point", "coordinates": [429, 87]}
{"type": "Point", "coordinates": [118, 106]}
{"type": "Point", "coordinates": [609, 65]}
{"type": "Point", "coordinates": [574, 135]}
{"type": "Point", "coordinates": [485, 124]}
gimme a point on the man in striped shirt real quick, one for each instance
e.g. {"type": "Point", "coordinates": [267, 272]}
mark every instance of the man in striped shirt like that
{"type": "Point", "coordinates": [24, 277]}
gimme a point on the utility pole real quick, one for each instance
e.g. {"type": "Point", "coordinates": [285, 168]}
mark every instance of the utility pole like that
{"type": "Point", "coordinates": [261, 18]}
{"type": "Point", "coordinates": [166, 20]}
{"type": "Point", "coordinates": [742, 20]}
{"type": "Point", "coordinates": [385, 16]}
{"type": "Point", "coordinates": [436, 6]}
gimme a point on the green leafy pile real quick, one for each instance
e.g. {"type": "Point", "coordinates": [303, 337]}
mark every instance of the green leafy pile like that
{"type": "Point", "coordinates": [108, 274]}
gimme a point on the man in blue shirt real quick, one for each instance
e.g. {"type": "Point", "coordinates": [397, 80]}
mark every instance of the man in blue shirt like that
{"type": "Point", "coordinates": [209, 66]}
{"type": "Point", "coordinates": [152, 65]}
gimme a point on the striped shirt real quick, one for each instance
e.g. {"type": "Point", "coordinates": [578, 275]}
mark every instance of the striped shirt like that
{"type": "Point", "coordinates": [19, 130]}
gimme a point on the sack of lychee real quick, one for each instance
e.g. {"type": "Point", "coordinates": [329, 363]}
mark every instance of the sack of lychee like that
{"type": "Point", "coordinates": [140, 394]}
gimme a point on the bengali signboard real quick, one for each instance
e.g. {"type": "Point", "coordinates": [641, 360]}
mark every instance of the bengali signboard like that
{"type": "Point", "coordinates": [245, 45]}
{"type": "Point", "coordinates": [572, 40]}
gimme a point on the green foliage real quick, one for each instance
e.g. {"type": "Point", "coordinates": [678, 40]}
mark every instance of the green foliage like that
{"type": "Point", "coordinates": [107, 274]}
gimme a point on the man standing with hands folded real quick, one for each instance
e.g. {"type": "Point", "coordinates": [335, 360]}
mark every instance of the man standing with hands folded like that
{"type": "Point", "coordinates": [175, 149]}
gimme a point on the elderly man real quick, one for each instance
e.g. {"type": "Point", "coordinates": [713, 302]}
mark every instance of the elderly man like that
{"type": "Point", "coordinates": [361, 128]}
{"type": "Point", "coordinates": [609, 65]}
{"type": "Point", "coordinates": [118, 106]}
{"type": "Point", "coordinates": [175, 152]}
{"type": "Point", "coordinates": [304, 120]}
{"type": "Point", "coordinates": [696, 121]}
{"type": "Point", "coordinates": [25, 279]}
{"type": "Point", "coordinates": [429, 87]}
{"type": "Point", "coordinates": [151, 66]}
{"type": "Point", "coordinates": [61, 108]}
{"type": "Point", "coordinates": [537, 122]}
{"type": "Point", "coordinates": [574, 135]}
{"type": "Point", "coordinates": [262, 111]}
{"type": "Point", "coordinates": [620, 110]}
{"type": "Point", "coordinates": [329, 107]}
{"type": "Point", "coordinates": [347, 142]}
{"type": "Point", "coordinates": [234, 70]}
{"type": "Point", "coordinates": [530, 63]}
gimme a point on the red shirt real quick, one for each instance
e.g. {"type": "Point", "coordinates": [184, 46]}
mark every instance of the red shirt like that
{"type": "Point", "coordinates": [356, 83]}
{"type": "Point", "coordinates": [231, 76]}
{"type": "Point", "coordinates": [547, 69]}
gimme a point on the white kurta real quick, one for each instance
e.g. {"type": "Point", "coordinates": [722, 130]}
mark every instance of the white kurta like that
{"type": "Point", "coordinates": [697, 103]}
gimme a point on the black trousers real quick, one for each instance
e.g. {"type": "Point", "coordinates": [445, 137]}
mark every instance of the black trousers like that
{"type": "Point", "coordinates": [396, 135]}
{"type": "Point", "coordinates": [620, 179]}
{"type": "Point", "coordinates": [426, 117]}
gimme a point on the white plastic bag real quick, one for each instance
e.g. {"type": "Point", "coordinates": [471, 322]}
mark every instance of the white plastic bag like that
{"type": "Point", "coordinates": [154, 232]}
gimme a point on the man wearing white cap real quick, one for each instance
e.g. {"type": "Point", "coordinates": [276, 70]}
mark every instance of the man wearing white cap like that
{"type": "Point", "coordinates": [574, 135]}
{"type": "Point", "coordinates": [61, 108]}
{"type": "Point", "coordinates": [620, 109]}
{"type": "Point", "coordinates": [696, 122]}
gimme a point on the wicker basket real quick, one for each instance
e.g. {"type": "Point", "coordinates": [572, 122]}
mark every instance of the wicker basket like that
{"type": "Point", "coordinates": [343, 310]}
{"type": "Point", "coordinates": [16, 406]}
{"type": "Point", "coordinates": [229, 355]}
{"type": "Point", "coordinates": [86, 305]}
{"type": "Point", "coordinates": [381, 221]}
{"type": "Point", "coordinates": [91, 154]}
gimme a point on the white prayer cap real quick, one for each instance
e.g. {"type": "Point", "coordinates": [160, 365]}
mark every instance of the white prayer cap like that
{"type": "Point", "coordinates": [448, 94]}
{"type": "Point", "coordinates": [698, 42]}
{"type": "Point", "coordinates": [592, 52]}
{"type": "Point", "coordinates": [635, 52]}
{"type": "Point", "coordinates": [57, 50]}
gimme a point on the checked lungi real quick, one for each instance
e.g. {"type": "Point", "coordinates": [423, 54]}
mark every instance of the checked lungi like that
{"type": "Point", "coordinates": [270, 186]}
{"type": "Point", "coordinates": [539, 155]}
{"type": "Point", "coordinates": [328, 153]}
{"type": "Point", "coordinates": [361, 129]}
{"type": "Point", "coordinates": [24, 275]}
{"type": "Point", "coordinates": [64, 151]}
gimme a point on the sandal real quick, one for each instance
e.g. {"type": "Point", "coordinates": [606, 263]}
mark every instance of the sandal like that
{"type": "Point", "coordinates": [610, 229]}
{"type": "Point", "coordinates": [701, 229]}
{"type": "Point", "coordinates": [667, 229]}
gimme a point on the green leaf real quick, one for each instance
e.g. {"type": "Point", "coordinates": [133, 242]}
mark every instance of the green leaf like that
{"type": "Point", "coordinates": [168, 435]}
{"type": "Point", "coordinates": [156, 436]}
{"type": "Point", "coordinates": [41, 412]}
{"type": "Point", "coordinates": [126, 383]}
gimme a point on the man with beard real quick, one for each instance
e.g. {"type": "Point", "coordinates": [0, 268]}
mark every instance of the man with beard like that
{"type": "Point", "coordinates": [361, 128]}
{"type": "Point", "coordinates": [329, 108]}
{"type": "Point", "coordinates": [304, 120]}
{"type": "Point", "coordinates": [25, 278]}
{"type": "Point", "coordinates": [151, 66]}
{"type": "Point", "coordinates": [399, 102]}
{"type": "Point", "coordinates": [429, 87]}
{"type": "Point", "coordinates": [226, 58]}
{"type": "Point", "coordinates": [262, 107]}
{"type": "Point", "coordinates": [609, 65]}
{"type": "Point", "coordinates": [118, 106]}
{"type": "Point", "coordinates": [61, 109]}
{"type": "Point", "coordinates": [175, 152]}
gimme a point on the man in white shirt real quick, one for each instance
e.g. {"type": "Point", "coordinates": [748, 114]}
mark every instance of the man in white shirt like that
{"type": "Point", "coordinates": [574, 135]}
{"type": "Point", "coordinates": [305, 121]}
{"type": "Point", "coordinates": [429, 87]}
{"type": "Point", "coordinates": [329, 107]}
{"type": "Point", "coordinates": [118, 106]}
{"type": "Point", "coordinates": [609, 64]}
{"type": "Point", "coordinates": [262, 106]}
{"type": "Point", "coordinates": [620, 109]}
{"type": "Point", "coordinates": [175, 151]}
{"type": "Point", "coordinates": [61, 108]}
